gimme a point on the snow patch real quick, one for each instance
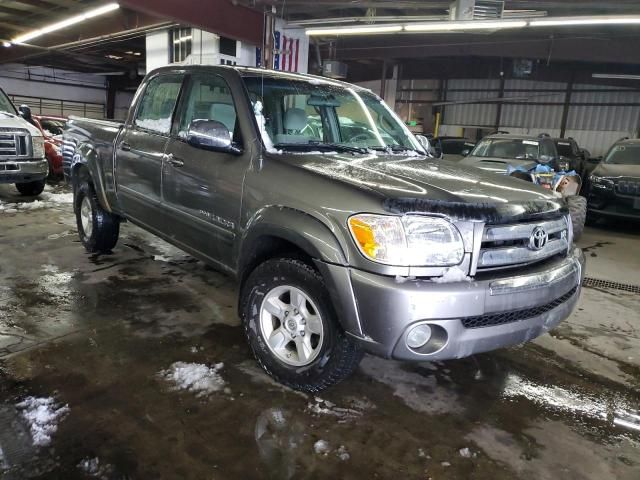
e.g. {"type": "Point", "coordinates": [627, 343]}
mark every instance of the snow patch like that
{"type": "Point", "coordinates": [2, 462]}
{"type": "Point", "coordinates": [465, 452]}
{"type": "Point", "coordinates": [325, 407]}
{"type": "Point", "coordinates": [46, 199]}
{"type": "Point", "coordinates": [262, 126]}
{"type": "Point", "coordinates": [401, 279]}
{"type": "Point", "coordinates": [322, 447]}
{"type": "Point", "coordinates": [42, 415]}
{"type": "Point", "coordinates": [343, 454]}
{"type": "Point", "coordinates": [452, 275]}
{"type": "Point", "coordinates": [93, 467]}
{"type": "Point", "coordinates": [162, 125]}
{"type": "Point", "coordinates": [194, 377]}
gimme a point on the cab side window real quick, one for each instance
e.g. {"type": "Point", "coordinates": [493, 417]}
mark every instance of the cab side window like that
{"type": "Point", "coordinates": [158, 103]}
{"type": "Point", "coordinates": [208, 98]}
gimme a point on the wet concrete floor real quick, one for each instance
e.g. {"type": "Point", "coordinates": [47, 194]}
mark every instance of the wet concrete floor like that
{"type": "Point", "coordinates": [92, 334]}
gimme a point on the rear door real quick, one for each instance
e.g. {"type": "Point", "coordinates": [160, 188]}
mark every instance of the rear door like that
{"type": "Point", "coordinates": [140, 149]}
{"type": "Point", "coordinates": [202, 189]}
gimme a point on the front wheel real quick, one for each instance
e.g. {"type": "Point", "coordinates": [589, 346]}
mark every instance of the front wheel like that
{"type": "Point", "coordinates": [31, 189]}
{"type": "Point", "coordinates": [98, 229]}
{"type": "Point", "coordinates": [292, 329]}
{"type": "Point", "coordinates": [578, 211]}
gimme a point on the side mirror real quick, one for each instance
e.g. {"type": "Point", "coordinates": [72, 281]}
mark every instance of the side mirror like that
{"type": "Point", "coordinates": [25, 112]}
{"type": "Point", "coordinates": [426, 145]}
{"type": "Point", "coordinates": [465, 152]}
{"type": "Point", "coordinates": [211, 135]}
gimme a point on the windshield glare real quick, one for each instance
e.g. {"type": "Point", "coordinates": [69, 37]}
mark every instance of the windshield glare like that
{"type": "Point", "coordinates": [624, 155]}
{"type": "Point", "coordinates": [310, 113]}
{"type": "Point", "coordinates": [5, 104]}
{"type": "Point", "coordinates": [507, 148]}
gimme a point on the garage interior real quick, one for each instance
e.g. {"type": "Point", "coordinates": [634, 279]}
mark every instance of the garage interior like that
{"type": "Point", "coordinates": [88, 341]}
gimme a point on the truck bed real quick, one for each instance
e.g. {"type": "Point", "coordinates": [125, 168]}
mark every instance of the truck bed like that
{"type": "Point", "coordinates": [98, 135]}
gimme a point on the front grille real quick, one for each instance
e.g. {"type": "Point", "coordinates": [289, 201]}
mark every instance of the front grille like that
{"type": "Point", "coordinates": [511, 245]}
{"type": "Point", "coordinates": [13, 143]}
{"type": "Point", "coordinates": [494, 319]}
{"type": "Point", "coordinates": [624, 187]}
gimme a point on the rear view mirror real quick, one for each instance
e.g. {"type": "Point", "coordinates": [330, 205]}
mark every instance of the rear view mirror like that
{"type": "Point", "coordinates": [323, 101]}
{"type": "Point", "coordinates": [211, 135]}
{"type": "Point", "coordinates": [426, 145]}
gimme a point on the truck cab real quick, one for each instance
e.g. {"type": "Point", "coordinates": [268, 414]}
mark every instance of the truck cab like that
{"type": "Point", "coordinates": [22, 155]}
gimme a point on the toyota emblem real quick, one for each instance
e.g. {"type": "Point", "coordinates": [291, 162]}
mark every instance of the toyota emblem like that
{"type": "Point", "coordinates": [539, 238]}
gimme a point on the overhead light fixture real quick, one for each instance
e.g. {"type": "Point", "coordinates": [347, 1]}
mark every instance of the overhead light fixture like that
{"type": "Point", "coordinates": [452, 26]}
{"type": "Point", "coordinates": [66, 23]}
{"type": "Point", "coordinates": [590, 20]}
{"type": "Point", "coordinates": [616, 76]}
{"type": "Point", "coordinates": [353, 30]}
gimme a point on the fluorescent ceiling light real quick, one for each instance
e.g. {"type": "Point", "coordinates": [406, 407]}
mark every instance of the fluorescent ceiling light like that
{"type": "Point", "coordinates": [354, 30]}
{"type": "Point", "coordinates": [451, 26]}
{"type": "Point", "coordinates": [618, 76]}
{"type": "Point", "coordinates": [66, 23]}
{"type": "Point", "coordinates": [591, 20]}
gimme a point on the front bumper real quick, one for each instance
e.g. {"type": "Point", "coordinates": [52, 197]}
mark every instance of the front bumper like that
{"type": "Point", "coordinates": [607, 202]}
{"type": "Point", "coordinates": [500, 311]}
{"type": "Point", "coordinates": [23, 171]}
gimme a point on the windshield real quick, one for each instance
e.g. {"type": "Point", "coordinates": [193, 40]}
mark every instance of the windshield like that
{"type": "Point", "coordinates": [5, 104]}
{"type": "Point", "coordinates": [303, 114]}
{"type": "Point", "coordinates": [564, 149]}
{"type": "Point", "coordinates": [507, 148]}
{"type": "Point", "coordinates": [624, 155]}
{"type": "Point", "coordinates": [51, 127]}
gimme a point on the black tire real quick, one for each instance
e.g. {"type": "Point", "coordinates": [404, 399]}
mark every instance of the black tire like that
{"type": "Point", "coordinates": [578, 210]}
{"type": "Point", "coordinates": [339, 355]}
{"type": "Point", "coordinates": [31, 189]}
{"type": "Point", "coordinates": [105, 226]}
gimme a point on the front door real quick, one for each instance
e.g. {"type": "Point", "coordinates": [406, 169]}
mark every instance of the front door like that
{"type": "Point", "coordinates": [140, 150]}
{"type": "Point", "coordinates": [202, 189]}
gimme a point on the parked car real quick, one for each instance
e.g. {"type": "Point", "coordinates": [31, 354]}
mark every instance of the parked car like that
{"type": "Point", "coordinates": [52, 129]}
{"type": "Point", "coordinates": [346, 242]}
{"type": "Point", "coordinates": [577, 158]}
{"type": "Point", "coordinates": [536, 160]}
{"type": "Point", "coordinates": [614, 185]}
{"type": "Point", "coordinates": [21, 149]}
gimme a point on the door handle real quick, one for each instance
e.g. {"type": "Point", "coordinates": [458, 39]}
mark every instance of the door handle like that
{"type": "Point", "coordinates": [125, 146]}
{"type": "Point", "coordinates": [176, 162]}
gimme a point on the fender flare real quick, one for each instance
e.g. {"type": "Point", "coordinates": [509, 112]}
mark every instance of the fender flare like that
{"type": "Point", "coordinates": [304, 231]}
{"type": "Point", "coordinates": [86, 156]}
{"type": "Point", "coordinates": [318, 241]}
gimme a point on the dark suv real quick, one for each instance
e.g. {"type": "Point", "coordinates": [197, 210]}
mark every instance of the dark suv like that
{"type": "Point", "coordinates": [614, 185]}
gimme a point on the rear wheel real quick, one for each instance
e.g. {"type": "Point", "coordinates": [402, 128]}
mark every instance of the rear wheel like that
{"type": "Point", "coordinates": [97, 228]}
{"type": "Point", "coordinates": [578, 210]}
{"type": "Point", "coordinates": [31, 188]}
{"type": "Point", "coordinates": [292, 329]}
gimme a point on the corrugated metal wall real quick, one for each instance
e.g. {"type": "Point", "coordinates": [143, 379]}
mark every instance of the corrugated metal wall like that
{"type": "Point", "coordinates": [538, 107]}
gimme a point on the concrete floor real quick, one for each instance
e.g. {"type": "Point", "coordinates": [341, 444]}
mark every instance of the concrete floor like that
{"type": "Point", "coordinates": [93, 333]}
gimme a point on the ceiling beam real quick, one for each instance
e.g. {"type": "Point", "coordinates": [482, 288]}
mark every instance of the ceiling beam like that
{"type": "Point", "coordinates": [218, 16]}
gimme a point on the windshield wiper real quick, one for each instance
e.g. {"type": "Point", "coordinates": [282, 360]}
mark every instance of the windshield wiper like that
{"type": "Point", "coordinates": [395, 149]}
{"type": "Point", "coordinates": [321, 146]}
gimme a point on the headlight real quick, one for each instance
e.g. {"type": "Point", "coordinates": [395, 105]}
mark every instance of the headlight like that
{"type": "Point", "coordinates": [411, 240]}
{"type": "Point", "coordinates": [38, 147]}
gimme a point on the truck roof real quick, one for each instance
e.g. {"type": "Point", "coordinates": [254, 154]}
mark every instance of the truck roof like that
{"type": "Point", "coordinates": [265, 72]}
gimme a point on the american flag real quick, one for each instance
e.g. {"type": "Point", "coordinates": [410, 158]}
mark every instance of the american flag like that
{"type": "Point", "coordinates": [287, 52]}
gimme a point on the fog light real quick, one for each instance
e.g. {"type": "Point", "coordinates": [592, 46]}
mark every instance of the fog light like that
{"type": "Point", "coordinates": [418, 336]}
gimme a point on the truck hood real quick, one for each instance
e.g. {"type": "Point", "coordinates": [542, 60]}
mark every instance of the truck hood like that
{"type": "Point", "coordinates": [9, 120]}
{"type": "Point", "coordinates": [416, 183]}
{"type": "Point", "coordinates": [612, 170]}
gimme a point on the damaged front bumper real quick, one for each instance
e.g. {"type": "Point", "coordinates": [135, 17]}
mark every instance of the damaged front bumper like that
{"type": "Point", "coordinates": [464, 317]}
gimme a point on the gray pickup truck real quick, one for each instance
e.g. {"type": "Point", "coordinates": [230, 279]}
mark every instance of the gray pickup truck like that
{"type": "Point", "coordinates": [343, 235]}
{"type": "Point", "coordinates": [22, 159]}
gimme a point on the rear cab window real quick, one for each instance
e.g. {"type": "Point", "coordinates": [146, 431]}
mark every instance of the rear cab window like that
{"type": "Point", "coordinates": [155, 111]}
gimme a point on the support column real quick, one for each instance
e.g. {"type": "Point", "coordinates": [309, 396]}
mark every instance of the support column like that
{"type": "Point", "coordinates": [500, 102]}
{"type": "Point", "coordinates": [567, 105]}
